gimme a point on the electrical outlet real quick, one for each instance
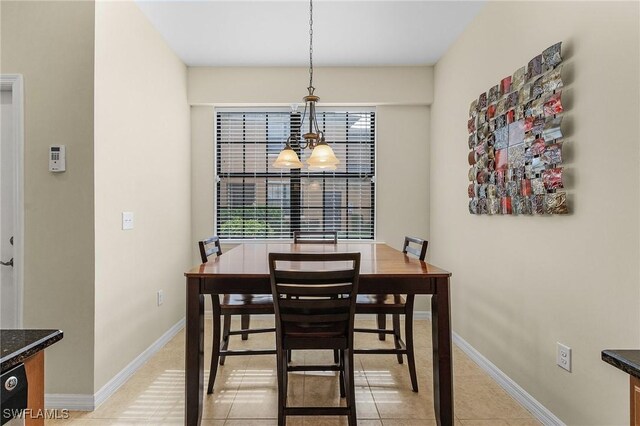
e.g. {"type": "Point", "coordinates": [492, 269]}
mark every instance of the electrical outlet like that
{"type": "Point", "coordinates": [160, 297]}
{"type": "Point", "coordinates": [563, 357]}
{"type": "Point", "coordinates": [127, 221]}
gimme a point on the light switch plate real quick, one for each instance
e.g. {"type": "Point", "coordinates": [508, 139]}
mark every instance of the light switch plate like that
{"type": "Point", "coordinates": [127, 221]}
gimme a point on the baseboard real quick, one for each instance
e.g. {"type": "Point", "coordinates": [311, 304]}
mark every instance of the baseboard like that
{"type": "Point", "coordinates": [422, 315]}
{"type": "Point", "coordinates": [69, 401]}
{"type": "Point", "coordinates": [90, 402]}
{"type": "Point", "coordinates": [119, 379]}
{"type": "Point", "coordinates": [83, 402]}
{"type": "Point", "coordinates": [538, 410]}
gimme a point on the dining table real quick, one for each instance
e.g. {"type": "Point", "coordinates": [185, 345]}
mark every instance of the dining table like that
{"type": "Point", "coordinates": [383, 270]}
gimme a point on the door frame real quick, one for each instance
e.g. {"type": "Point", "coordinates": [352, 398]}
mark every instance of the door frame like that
{"type": "Point", "coordinates": [15, 83]}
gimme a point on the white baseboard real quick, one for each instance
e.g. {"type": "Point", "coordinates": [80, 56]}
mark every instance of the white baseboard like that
{"type": "Point", "coordinates": [84, 402]}
{"type": "Point", "coordinates": [538, 410]}
{"type": "Point", "coordinates": [69, 401]}
{"type": "Point", "coordinates": [422, 315]}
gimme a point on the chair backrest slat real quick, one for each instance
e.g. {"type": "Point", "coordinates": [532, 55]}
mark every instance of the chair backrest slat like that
{"type": "Point", "coordinates": [209, 247]}
{"type": "Point", "coordinates": [414, 251]}
{"type": "Point", "coordinates": [317, 305]}
{"type": "Point", "coordinates": [420, 251]}
{"type": "Point", "coordinates": [315, 237]}
{"type": "Point", "coordinates": [315, 318]}
{"type": "Point", "coordinates": [313, 296]}
{"type": "Point", "coordinates": [311, 278]}
{"type": "Point", "coordinates": [313, 290]}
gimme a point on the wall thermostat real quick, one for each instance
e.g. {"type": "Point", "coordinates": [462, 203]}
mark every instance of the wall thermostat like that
{"type": "Point", "coordinates": [57, 162]}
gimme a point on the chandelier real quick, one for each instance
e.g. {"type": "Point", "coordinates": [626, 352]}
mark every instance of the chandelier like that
{"type": "Point", "coordinates": [322, 157]}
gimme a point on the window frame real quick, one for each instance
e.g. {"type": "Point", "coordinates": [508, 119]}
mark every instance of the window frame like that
{"type": "Point", "coordinates": [287, 108]}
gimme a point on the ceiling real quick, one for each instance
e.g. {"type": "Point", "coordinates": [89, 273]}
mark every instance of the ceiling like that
{"type": "Point", "coordinates": [276, 33]}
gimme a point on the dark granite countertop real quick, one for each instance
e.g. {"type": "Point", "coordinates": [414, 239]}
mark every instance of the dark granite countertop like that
{"type": "Point", "coordinates": [627, 360]}
{"type": "Point", "coordinates": [18, 345]}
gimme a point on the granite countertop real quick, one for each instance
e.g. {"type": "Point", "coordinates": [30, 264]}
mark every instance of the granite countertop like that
{"type": "Point", "coordinates": [627, 360]}
{"type": "Point", "coordinates": [18, 345]}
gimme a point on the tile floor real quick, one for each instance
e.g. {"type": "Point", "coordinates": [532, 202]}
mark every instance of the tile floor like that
{"type": "Point", "coordinates": [246, 389]}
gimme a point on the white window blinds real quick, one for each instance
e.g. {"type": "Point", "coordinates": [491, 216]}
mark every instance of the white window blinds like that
{"type": "Point", "coordinates": [256, 201]}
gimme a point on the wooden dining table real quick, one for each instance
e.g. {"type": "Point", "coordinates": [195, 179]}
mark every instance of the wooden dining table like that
{"type": "Point", "coordinates": [383, 270]}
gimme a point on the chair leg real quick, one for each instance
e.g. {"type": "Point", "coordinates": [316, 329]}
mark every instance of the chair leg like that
{"type": "Point", "coordinates": [289, 356]}
{"type": "Point", "coordinates": [408, 327]}
{"type": "Point", "coordinates": [342, 385]}
{"type": "Point", "coordinates": [225, 336]}
{"type": "Point", "coordinates": [336, 357]}
{"type": "Point", "coordinates": [396, 335]}
{"type": "Point", "coordinates": [382, 325]}
{"type": "Point", "coordinates": [215, 353]}
{"type": "Point", "coordinates": [351, 389]}
{"type": "Point", "coordinates": [245, 322]}
{"type": "Point", "coordinates": [282, 387]}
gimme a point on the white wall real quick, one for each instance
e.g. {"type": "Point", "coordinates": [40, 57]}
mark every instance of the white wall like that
{"type": "Point", "coordinates": [521, 284]}
{"type": "Point", "coordinates": [402, 96]}
{"type": "Point", "coordinates": [142, 164]}
{"type": "Point", "coordinates": [51, 44]}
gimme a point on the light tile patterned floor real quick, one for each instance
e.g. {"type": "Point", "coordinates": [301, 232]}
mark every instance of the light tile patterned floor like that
{"type": "Point", "coordinates": [246, 389]}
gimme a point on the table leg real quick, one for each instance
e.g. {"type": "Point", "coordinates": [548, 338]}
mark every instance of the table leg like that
{"type": "Point", "coordinates": [441, 337]}
{"type": "Point", "coordinates": [194, 353]}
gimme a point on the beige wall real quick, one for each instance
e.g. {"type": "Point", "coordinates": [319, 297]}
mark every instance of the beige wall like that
{"type": "Point", "coordinates": [521, 284]}
{"type": "Point", "coordinates": [82, 280]}
{"type": "Point", "coordinates": [282, 85]}
{"type": "Point", "coordinates": [402, 96]}
{"type": "Point", "coordinates": [142, 164]}
{"type": "Point", "coordinates": [51, 44]}
{"type": "Point", "coordinates": [402, 179]}
{"type": "Point", "coordinates": [202, 175]}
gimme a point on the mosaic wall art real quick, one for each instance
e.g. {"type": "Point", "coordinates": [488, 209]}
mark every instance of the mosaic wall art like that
{"type": "Point", "coordinates": [515, 142]}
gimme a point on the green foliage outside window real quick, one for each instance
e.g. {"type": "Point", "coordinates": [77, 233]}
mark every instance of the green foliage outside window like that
{"type": "Point", "coordinates": [258, 221]}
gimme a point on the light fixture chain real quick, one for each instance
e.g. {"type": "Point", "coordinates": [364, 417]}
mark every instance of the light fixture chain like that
{"type": "Point", "coordinates": [322, 157]}
{"type": "Point", "coordinates": [311, 47]}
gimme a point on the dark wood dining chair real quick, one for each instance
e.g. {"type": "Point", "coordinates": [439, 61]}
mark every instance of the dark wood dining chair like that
{"type": "Point", "coordinates": [315, 308]}
{"type": "Point", "coordinates": [315, 237]}
{"type": "Point", "coordinates": [395, 305]}
{"type": "Point", "coordinates": [234, 304]}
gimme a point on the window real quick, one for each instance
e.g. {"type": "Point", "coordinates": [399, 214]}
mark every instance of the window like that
{"type": "Point", "coordinates": [254, 200]}
{"type": "Point", "coordinates": [241, 194]}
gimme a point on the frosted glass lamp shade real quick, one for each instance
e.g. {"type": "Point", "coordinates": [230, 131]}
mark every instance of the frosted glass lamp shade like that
{"type": "Point", "coordinates": [322, 158]}
{"type": "Point", "coordinates": [287, 159]}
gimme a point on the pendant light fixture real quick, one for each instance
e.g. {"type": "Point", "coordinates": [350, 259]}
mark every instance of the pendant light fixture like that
{"type": "Point", "coordinates": [322, 157]}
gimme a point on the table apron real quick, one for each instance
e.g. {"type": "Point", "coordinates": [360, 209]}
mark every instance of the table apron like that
{"type": "Point", "coordinates": [367, 285]}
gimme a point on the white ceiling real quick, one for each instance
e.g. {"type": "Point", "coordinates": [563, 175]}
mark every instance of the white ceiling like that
{"type": "Point", "coordinates": [276, 33]}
